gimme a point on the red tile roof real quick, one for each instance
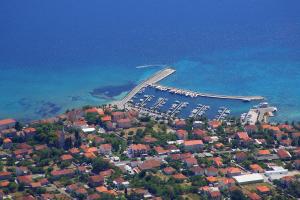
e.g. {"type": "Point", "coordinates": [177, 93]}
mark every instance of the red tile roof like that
{"type": "Point", "coordinates": [264, 152]}
{"type": "Point", "coordinates": [179, 176]}
{"type": "Point", "coordinates": [139, 147]}
{"type": "Point", "coordinates": [192, 142]}
{"type": "Point", "coordinates": [106, 118]}
{"type": "Point", "coordinates": [282, 153]}
{"type": "Point", "coordinates": [66, 157]}
{"type": "Point", "coordinates": [62, 172]}
{"type": "Point", "coordinates": [7, 140]}
{"type": "Point", "coordinates": [7, 122]}
{"type": "Point", "coordinates": [27, 179]}
{"type": "Point", "coordinates": [215, 123]}
{"type": "Point", "coordinates": [243, 136]}
{"type": "Point", "coordinates": [150, 164]}
{"type": "Point", "coordinates": [263, 189]}
{"type": "Point", "coordinates": [212, 179]}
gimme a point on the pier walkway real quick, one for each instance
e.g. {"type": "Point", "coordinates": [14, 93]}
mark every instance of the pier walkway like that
{"type": "Point", "coordinates": [196, 94]}
{"type": "Point", "coordinates": [160, 75]}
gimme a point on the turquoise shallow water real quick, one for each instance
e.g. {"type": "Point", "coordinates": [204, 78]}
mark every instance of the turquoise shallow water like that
{"type": "Point", "coordinates": [54, 54]}
{"type": "Point", "coordinates": [239, 72]}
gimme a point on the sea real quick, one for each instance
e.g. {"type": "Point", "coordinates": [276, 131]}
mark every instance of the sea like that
{"type": "Point", "coordinates": [63, 54]}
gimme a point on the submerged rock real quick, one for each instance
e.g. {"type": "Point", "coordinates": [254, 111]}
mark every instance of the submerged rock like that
{"type": "Point", "coordinates": [48, 109]}
{"type": "Point", "coordinates": [112, 91]}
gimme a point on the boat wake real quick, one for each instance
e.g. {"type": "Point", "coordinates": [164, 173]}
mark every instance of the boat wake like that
{"type": "Point", "coordinates": [146, 66]}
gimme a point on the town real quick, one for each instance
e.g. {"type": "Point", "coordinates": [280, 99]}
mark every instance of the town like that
{"type": "Point", "coordinates": [110, 153]}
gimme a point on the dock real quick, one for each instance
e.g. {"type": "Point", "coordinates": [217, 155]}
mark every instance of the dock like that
{"type": "Point", "coordinates": [160, 75]}
{"type": "Point", "coordinates": [259, 115]}
{"type": "Point", "coordinates": [199, 94]}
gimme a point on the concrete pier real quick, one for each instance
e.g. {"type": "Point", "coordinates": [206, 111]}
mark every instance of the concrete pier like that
{"type": "Point", "coordinates": [196, 94]}
{"type": "Point", "coordinates": [160, 75]}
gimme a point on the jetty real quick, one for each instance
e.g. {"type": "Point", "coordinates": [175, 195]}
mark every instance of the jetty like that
{"type": "Point", "coordinates": [199, 94]}
{"type": "Point", "coordinates": [160, 75]}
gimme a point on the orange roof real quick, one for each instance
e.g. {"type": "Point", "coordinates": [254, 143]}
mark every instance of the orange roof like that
{"type": "Point", "coordinates": [285, 126]}
{"type": "Point", "coordinates": [264, 152]}
{"type": "Point", "coordinates": [4, 183]}
{"type": "Point", "coordinates": [180, 123]}
{"type": "Point", "coordinates": [274, 128]}
{"type": "Point", "coordinates": [138, 147]}
{"type": "Point", "coordinates": [256, 167]}
{"type": "Point", "coordinates": [204, 188]}
{"type": "Point", "coordinates": [233, 170]}
{"type": "Point", "coordinates": [35, 184]}
{"type": "Point", "coordinates": [160, 150]}
{"type": "Point", "coordinates": [211, 179]}
{"type": "Point", "coordinates": [106, 147]}
{"type": "Point", "coordinates": [179, 176]}
{"type": "Point", "coordinates": [90, 155]}
{"type": "Point", "coordinates": [62, 172]}
{"type": "Point", "coordinates": [282, 153]}
{"type": "Point", "coordinates": [29, 130]}
{"type": "Point", "coordinates": [3, 173]}
{"type": "Point", "coordinates": [254, 196]}
{"type": "Point", "coordinates": [263, 188]}
{"type": "Point", "coordinates": [265, 126]}
{"type": "Point", "coordinates": [106, 118]}
{"type": "Point", "coordinates": [215, 124]}
{"type": "Point", "coordinates": [288, 178]}
{"type": "Point", "coordinates": [181, 131]}
{"type": "Point", "coordinates": [74, 150]}
{"type": "Point", "coordinates": [192, 142]}
{"type": "Point", "coordinates": [243, 135]}
{"type": "Point", "coordinates": [215, 194]}
{"type": "Point", "coordinates": [218, 161]}
{"type": "Point", "coordinates": [95, 110]}
{"type": "Point", "coordinates": [7, 121]}
{"type": "Point", "coordinates": [91, 150]}
{"type": "Point", "coordinates": [7, 140]}
{"type": "Point", "coordinates": [112, 192]}
{"type": "Point", "coordinates": [218, 145]}
{"type": "Point", "coordinates": [269, 127]}
{"type": "Point", "coordinates": [66, 157]}
{"type": "Point", "coordinates": [101, 189]}
{"type": "Point", "coordinates": [227, 181]}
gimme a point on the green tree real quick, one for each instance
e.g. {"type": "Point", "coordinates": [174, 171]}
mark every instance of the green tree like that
{"type": "Point", "coordinates": [12, 186]}
{"type": "Point", "coordinates": [237, 195]}
{"type": "Point", "coordinates": [92, 118]}
{"type": "Point", "coordinates": [99, 165]}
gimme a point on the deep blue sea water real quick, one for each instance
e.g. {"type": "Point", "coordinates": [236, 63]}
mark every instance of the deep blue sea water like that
{"type": "Point", "coordinates": [53, 54]}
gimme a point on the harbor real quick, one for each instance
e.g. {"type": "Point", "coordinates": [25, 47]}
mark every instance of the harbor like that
{"type": "Point", "coordinates": [168, 105]}
{"type": "Point", "coordinates": [170, 102]}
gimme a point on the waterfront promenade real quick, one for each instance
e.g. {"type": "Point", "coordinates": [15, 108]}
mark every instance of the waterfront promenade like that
{"type": "Point", "coordinates": [160, 75]}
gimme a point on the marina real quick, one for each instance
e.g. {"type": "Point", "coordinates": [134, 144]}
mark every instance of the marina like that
{"type": "Point", "coordinates": [170, 102]}
{"type": "Point", "coordinates": [169, 105]}
{"type": "Point", "coordinates": [199, 111]}
{"type": "Point", "coordinates": [223, 113]}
